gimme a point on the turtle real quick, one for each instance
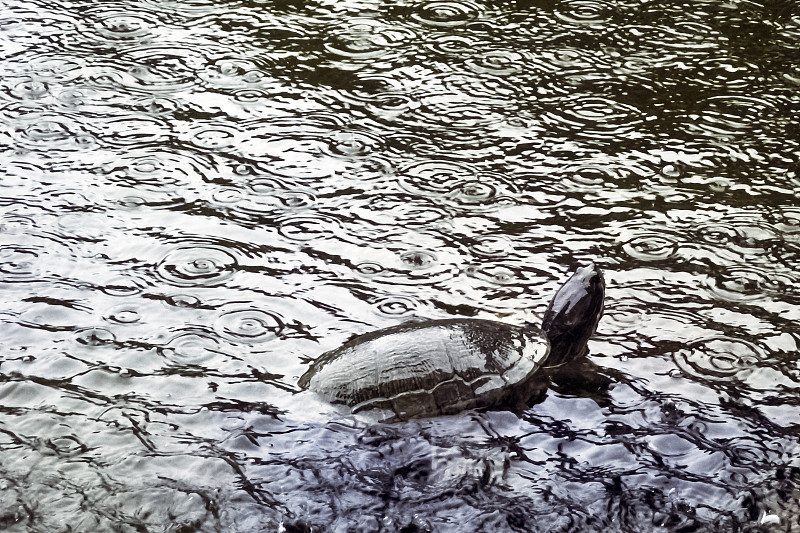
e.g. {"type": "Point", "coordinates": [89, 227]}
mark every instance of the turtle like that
{"type": "Point", "coordinates": [436, 367]}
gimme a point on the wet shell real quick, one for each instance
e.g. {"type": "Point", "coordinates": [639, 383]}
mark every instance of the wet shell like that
{"type": "Point", "coordinates": [431, 368]}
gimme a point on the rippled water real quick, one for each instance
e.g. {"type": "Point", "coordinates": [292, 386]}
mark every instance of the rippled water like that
{"type": "Point", "coordinates": [198, 198]}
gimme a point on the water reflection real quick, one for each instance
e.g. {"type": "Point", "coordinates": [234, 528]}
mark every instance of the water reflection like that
{"type": "Point", "coordinates": [197, 198]}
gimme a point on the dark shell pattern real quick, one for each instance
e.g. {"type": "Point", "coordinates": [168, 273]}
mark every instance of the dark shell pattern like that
{"type": "Point", "coordinates": [430, 368]}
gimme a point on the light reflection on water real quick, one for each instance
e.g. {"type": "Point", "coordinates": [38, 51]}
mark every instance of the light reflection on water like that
{"type": "Point", "coordinates": [197, 199]}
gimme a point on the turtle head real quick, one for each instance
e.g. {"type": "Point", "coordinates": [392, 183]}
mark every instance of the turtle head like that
{"type": "Point", "coordinates": [573, 314]}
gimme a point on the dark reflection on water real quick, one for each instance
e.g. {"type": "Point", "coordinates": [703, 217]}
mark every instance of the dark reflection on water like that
{"type": "Point", "coordinates": [198, 198]}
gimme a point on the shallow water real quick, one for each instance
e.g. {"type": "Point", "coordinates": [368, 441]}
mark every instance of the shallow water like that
{"type": "Point", "coordinates": [198, 198]}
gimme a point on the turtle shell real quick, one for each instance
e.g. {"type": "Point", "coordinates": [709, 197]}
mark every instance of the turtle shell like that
{"type": "Point", "coordinates": [430, 368]}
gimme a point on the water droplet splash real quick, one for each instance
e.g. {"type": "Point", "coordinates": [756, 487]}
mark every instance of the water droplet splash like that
{"type": "Point", "coordinates": [200, 265]}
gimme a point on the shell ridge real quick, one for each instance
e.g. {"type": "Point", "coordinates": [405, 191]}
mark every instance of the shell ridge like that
{"type": "Point", "coordinates": [520, 350]}
{"type": "Point", "coordinates": [454, 364]}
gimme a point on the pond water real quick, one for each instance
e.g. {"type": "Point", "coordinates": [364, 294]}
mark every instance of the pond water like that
{"type": "Point", "coordinates": [198, 198]}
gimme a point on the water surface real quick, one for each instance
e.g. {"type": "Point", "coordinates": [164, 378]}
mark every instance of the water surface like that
{"type": "Point", "coordinates": [198, 198]}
